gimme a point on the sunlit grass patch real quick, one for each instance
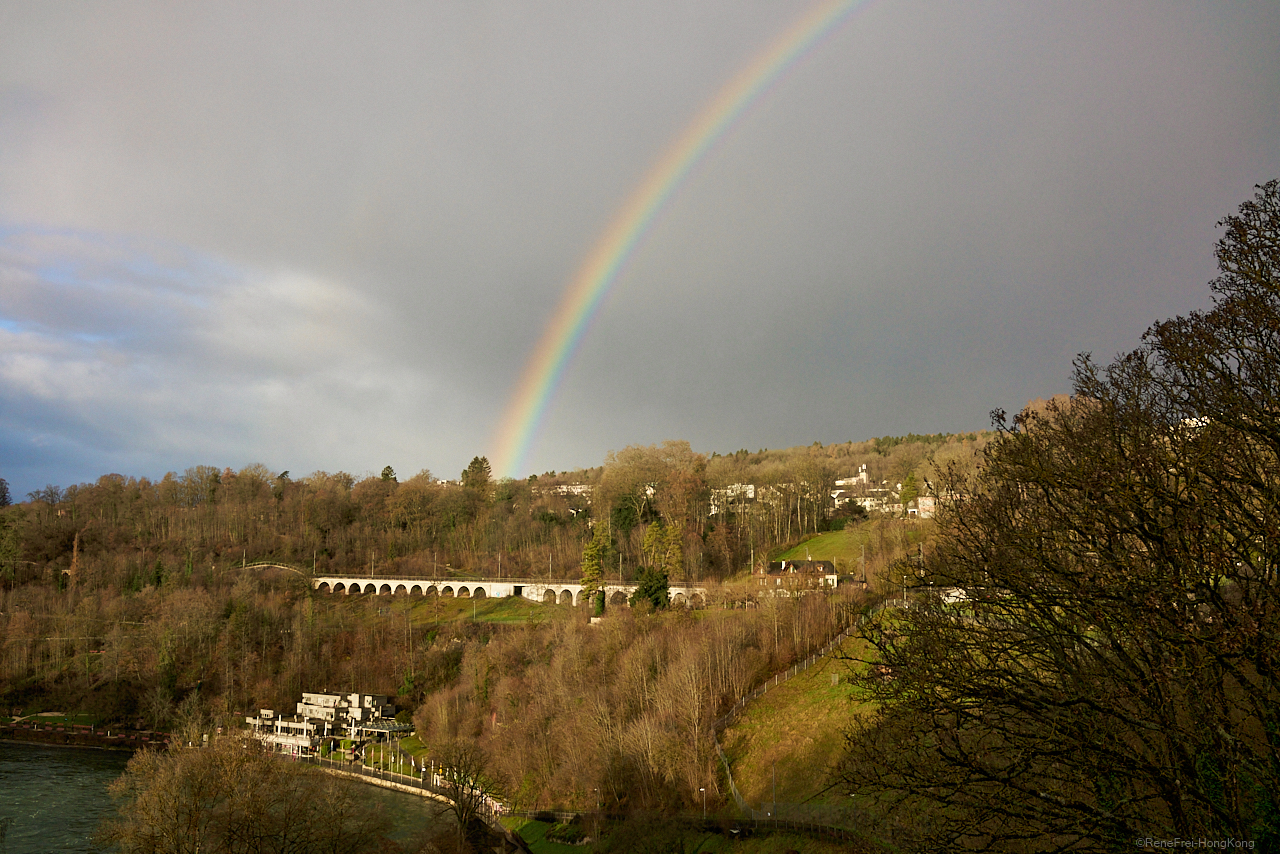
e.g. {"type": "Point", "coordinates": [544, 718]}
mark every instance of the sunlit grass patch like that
{"type": "Point", "coordinates": [843, 546]}
{"type": "Point", "coordinates": [794, 733]}
{"type": "Point", "coordinates": [446, 609]}
{"type": "Point", "coordinates": [535, 834]}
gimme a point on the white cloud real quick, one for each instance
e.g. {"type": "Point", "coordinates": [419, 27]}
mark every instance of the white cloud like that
{"type": "Point", "coordinates": [108, 342]}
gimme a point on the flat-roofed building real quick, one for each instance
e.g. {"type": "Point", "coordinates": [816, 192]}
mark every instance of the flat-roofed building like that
{"type": "Point", "coordinates": [354, 716]}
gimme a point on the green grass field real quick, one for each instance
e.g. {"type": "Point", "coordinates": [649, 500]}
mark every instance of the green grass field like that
{"type": "Point", "coordinates": [842, 547]}
{"type": "Point", "coordinates": [795, 734]}
{"type": "Point", "coordinates": [508, 609]}
{"type": "Point", "coordinates": [535, 833]}
{"type": "Point", "coordinates": [51, 718]}
{"type": "Point", "coordinates": [882, 538]}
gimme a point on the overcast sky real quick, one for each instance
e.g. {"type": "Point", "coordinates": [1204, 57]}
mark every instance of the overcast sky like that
{"type": "Point", "coordinates": [327, 236]}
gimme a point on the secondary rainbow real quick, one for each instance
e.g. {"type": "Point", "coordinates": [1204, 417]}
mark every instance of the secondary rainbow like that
{"type": "Point", "coordinates": [522, 419]}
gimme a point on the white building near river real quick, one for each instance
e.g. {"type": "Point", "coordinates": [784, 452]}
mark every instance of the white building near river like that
{"type": "Point", "coordinates": [358, 717]}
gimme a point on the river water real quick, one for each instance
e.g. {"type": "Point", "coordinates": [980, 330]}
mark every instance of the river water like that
{"type": "Point", "coordinates": [53, 798]}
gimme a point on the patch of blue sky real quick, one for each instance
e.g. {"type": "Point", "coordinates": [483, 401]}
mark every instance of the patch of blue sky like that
{"type": "Point", "coordinates": [95, 337]}
{"type": "Point", "coordinates": [95, 259]}
{"type": "Point", "coordinates": [10, 230]}
{"type": "Point", "coordinates": [28, 327]}
{"type": "Point", "coordinates": [197, 270]}
{"type": "Point", "coordinates": [60, 272]}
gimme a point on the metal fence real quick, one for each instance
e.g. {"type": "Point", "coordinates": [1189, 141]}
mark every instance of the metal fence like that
{"type": "Point", "coordinates": [720, 723]}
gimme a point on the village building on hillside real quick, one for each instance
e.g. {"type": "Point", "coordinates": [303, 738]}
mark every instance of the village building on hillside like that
{"type": "Point", "coordinates": [795, 577]}
{"type": "Point", "coordinates": [733, 496]}
{"type": "Point", "coordinates": [857, 489]}
{"type": "Point", "coordinates": [367, 717]}
{"type": "Point", "coordinates": [581, 490]}
{"type": "Point", "coordinates": [858, 479]}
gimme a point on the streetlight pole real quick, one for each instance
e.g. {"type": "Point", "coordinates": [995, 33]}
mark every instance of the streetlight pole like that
{"type": "Point", "coordinates": [703, 789]}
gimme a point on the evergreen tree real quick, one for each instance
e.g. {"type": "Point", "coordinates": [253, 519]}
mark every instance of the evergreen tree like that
{"type": "Point", "coordinates": [477, 474]}
{"type": "Point", "coordinates": [652, 589]}
{"type": "Point", "coordinates": [596, 556]}
{"type": "Point", "coordinates": [910, 491]}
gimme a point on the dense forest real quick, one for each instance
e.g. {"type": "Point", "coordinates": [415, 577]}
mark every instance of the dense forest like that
{"type": "Point", "coordinates": [140, 601]}
{"type": "Point", "coordinates": [125, 532]}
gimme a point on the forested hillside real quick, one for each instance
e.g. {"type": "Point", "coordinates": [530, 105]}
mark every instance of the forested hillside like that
{"type": "Point", "coordinates": [139, 601]}
{"type": "Point", "coordinates": [617, 713]}
{"type": "Point", "coordinates": [125, 533]}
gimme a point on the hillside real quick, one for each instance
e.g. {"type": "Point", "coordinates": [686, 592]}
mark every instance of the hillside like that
{"type": "Point", "coordinates": [138, 604]}
{"type": "Point", "coordinates": [785, 745]}
{"type": "Point", "coordinates": [866, 547]}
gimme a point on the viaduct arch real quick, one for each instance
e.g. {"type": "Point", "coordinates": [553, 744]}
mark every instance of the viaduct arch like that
{"type": "Point", "coordinates": [546, 591]}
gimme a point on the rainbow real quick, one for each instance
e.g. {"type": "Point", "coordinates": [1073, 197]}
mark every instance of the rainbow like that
{"type": "Point", "coordinates": [543, 372]}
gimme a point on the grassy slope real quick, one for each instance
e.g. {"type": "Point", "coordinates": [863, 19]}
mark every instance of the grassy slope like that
{"type": "Point", "coordinates": [843, 546]}
{"type": "Point", "coordinates": [508, 609]}
{"type": "Point", "coordinates": [798, 728]}
{"type": "Point", "coordinates": [534, 833]}
{"type": "Point", "coordinates": [883, 539]}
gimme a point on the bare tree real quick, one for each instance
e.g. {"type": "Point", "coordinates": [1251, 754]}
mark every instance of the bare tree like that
{"type": "Point", "coordinates": [233, 796]}
{"type": "Point", "coordinates": [1100, 663]}
{"type": "Point", "coordinates": [468, 783]}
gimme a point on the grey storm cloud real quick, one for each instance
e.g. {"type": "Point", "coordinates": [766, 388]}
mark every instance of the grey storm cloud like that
{"type": "Point", "coordinates": [328, 236]}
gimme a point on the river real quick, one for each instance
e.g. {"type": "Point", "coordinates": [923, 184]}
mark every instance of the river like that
{"type": "Point", "coordinates": [53, 798]}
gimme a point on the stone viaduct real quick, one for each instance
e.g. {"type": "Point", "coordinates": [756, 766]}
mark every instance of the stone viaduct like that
{"type": "Point", "coordinates": [538, 590]}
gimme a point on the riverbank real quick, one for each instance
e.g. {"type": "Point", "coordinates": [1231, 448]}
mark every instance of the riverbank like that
{"type": "Point", "coordinates": [500, 835]}
{"type": "Point", "coordinates": [60, 735]}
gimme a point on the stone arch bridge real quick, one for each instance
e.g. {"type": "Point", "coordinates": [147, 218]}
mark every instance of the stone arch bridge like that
{"type": "Point", "coordinates": [538, 590]}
